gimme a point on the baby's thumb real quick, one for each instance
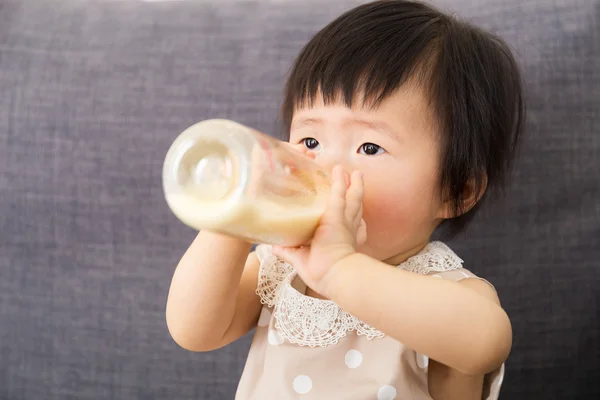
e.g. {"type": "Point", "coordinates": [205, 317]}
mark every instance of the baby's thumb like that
{"type": "Point", "coordinates": [292, 255]}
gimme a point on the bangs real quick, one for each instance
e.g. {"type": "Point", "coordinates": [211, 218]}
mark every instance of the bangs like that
{"type": "Point", "coordinates": [365, 64]}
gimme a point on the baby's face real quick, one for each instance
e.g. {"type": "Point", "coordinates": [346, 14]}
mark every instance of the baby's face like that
{"type": "Point", "coordinates": [396, 148]}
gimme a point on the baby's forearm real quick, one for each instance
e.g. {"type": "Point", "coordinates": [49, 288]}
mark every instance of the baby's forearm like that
{"type": "Point", "coordinates": [450, 323]}
{"type": "Point", "coordinates": [204, 288]}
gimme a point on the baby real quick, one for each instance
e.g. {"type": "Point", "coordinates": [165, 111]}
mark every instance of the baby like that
{"type": "Point", "coordinates": [418, 116]}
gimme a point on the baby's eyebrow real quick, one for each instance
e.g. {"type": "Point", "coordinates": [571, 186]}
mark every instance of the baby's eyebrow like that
{"type": "Point", "coordinates": [306, 121]}
{"type": "Point", "coordinates": [379, 126]}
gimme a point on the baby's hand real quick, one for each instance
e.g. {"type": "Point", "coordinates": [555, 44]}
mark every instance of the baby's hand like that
{"type": "Point", "coordinates": [340, 230]}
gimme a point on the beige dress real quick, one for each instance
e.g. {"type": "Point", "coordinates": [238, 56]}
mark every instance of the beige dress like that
{"type": "Point", "coordinates": [308, 348]}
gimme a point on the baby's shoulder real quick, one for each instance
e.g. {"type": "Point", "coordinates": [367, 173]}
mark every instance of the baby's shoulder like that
{"type": "Point", "coordinates": [439, 261]}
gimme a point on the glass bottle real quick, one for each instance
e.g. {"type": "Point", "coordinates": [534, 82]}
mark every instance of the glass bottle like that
{"type": "Point", "coordinates": [222, 176]}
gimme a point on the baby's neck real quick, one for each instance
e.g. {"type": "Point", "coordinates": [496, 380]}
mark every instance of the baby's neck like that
{"type": "Point", "coordinates": [406, 254]}
{"type": "Point", "coordinates": [311, 293]}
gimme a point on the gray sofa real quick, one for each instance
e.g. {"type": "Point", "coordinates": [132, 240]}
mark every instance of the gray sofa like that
{"type": "Point", "coordinates": [93, 92]}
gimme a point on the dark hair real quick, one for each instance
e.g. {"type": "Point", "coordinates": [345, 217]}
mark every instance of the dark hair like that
{"type": "Point", "coordinates": [469, 76]}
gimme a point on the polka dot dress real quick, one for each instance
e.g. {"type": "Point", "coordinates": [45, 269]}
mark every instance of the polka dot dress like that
{"type": "Point", "coordinates": [306, 348]}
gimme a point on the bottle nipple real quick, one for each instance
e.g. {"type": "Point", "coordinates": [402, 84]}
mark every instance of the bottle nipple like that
{"type": "Point", "coordinates": [206, 172]}
{"type": "Point", "coordinates": [211, 176]}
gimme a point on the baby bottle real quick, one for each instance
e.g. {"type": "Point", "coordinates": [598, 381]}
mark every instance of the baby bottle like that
{"type": "Point", "coordinates": [225, 177]}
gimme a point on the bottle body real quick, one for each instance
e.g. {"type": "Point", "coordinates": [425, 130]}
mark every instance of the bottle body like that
{"type": "Point", "coordinates": [223, 176]}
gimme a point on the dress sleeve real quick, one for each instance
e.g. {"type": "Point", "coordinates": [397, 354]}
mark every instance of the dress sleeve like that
{"type": "Point", "coordinates": [458, 275]}
{"type": "Point", "coordinates": [262, 252]}
{"type": "Point", "coordinates": [272, 272]}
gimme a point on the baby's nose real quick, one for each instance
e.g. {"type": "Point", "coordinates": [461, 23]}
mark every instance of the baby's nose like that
{"type": "Point", "coordinates": [329, 160]}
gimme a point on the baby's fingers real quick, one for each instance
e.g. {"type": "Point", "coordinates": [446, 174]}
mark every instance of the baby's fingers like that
{"type": "Point", "coordinates": [337, 198]}
{"type": "Point", "coordinates": [354, 197]}
{"type": "Point", "coordinates": [361, 234]}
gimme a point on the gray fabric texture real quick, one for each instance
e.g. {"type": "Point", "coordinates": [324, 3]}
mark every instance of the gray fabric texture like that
{"type": "Point", "coordinates": [92, 93]}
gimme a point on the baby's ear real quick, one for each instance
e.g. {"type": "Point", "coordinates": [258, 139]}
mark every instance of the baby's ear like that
{"type": "Point", "coordinates": [472, 193]}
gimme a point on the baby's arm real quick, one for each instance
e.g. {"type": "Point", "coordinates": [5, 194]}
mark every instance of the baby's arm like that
{"type": "Point", "coordinates": [461, 325]}
{"type": "Point", "coordinates": [447, 383]}
{"type": "Point", "coordinates": [212, 299]}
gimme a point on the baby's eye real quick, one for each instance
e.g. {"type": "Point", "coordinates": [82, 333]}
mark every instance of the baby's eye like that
{"type": "Point", "coordinates": [311, 143]}
{"type": "Point", "coordinates": [371, 149]}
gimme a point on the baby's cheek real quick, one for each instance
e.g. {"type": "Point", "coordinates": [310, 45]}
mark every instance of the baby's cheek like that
{"type": "Point", "coordinates": [383, 215]}
{"type": "Point", "coordinates": [394, 213]}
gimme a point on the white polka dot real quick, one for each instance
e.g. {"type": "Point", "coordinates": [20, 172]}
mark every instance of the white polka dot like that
{"type": "Point", "coordinates": [265, 317]}
{"type": "Point", "coordinates": [438, 276]}
{"type": "Point", "coordinates": [422, 361]}
{"type": "Point", "coordinates": [354, 358]}
{"type": "Point", "coordinates": [386, 392]}
{"type": "Point", "coordinates": [275, 338]}
{"type": "Point", "coordinates": [302, 384]}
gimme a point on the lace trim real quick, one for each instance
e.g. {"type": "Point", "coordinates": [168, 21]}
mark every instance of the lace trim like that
{"type": "Point", "coordinates": [272, 272]}
{"type": "Point", "coordinates": [308, 321]}
{"type": "Point", "coordinates": [435, 257]}
{"type": "Point", "coordinates": [312, 322]}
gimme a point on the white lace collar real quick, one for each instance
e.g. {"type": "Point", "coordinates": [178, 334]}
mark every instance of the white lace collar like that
{"type": "Point", "coordinates": [308, 321]}
{"type": "Point", "coordinates": [435, 257]}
